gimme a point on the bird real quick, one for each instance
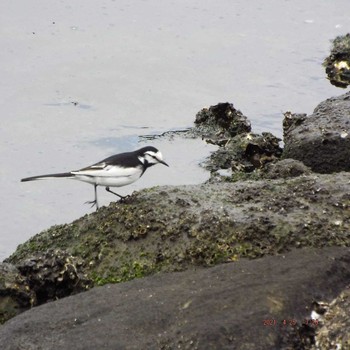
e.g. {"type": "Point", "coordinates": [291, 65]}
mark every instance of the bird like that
{"type": "Point", "coordinates": [116, 171]}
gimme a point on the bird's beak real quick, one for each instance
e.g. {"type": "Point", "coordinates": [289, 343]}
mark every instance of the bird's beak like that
{"type": "Point", "coordinates": [162, 162]}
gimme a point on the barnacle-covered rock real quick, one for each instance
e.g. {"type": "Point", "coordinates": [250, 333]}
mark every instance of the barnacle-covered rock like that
{"type": "Point", "coordinates": [221, 121]}
{"type": "Point", "coordinates": [337, 64]}
{"type": "Point", "coordinates": [53, 274]}
{"type": "Point", "coordinates": [242, 155]}
{"type": "Point", "coordinates": [15, 293]}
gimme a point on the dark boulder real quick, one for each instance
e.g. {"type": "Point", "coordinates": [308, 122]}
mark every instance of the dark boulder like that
{"type": "Point", "coordinates": [250, 304]}
{"type": "Point", "coordinates": [322, 140]}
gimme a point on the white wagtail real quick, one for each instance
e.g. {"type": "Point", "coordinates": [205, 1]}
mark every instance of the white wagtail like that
{"type": "Point", "coordinates": [115, 171]}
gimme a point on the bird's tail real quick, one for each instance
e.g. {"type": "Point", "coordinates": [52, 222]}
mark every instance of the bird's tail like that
{"type": "Point", "coordinates": [41, 177]}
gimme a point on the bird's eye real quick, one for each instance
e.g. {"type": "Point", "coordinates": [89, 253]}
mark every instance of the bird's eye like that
{"type": "Point", "coordinates": [154, 157]}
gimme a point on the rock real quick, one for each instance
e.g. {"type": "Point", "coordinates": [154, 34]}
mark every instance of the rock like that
{"type": "Point", "coordinates": [53, 274]}
{"type": "Point", "coordinates": [285, 169]}
{"type": "Point", "coordinates": [337, 64]}
{"type": "Point", "coordinates": [244, 153]}
{"type": "Point", "coordinates": [334, 329]}
{"type": "Point", "coordinates": [15, 294]}
{"type": "Point", "coordinates": [42, 277]}
{"type": "Point", "coordinates": [322, 140]}
{"type": "Point", "coordinates": [291, 122]}
{"type": "Point", "coordinates": [221, 121]}
{"type": "Point", "coordinates": [177, 228]}
{"type": "Point", "coordinates": [250, 304]}
{"type": "Point", "coordinates": [240, 150]}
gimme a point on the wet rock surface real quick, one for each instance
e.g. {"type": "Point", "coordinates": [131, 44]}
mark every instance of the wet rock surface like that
{"type": "Point", "coordinates": [322, 140]}
{"type": "Point", "coordinates": [249, 304]}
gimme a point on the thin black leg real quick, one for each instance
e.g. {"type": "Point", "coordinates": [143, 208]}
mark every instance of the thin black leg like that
{"type": "Point", "coordinates": [94, 202]}
{"type": "Point", "coordinates": [121, 197]}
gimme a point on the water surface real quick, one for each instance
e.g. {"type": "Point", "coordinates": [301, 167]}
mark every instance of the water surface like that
{"type": "Point", "coordinates": [81, 80]}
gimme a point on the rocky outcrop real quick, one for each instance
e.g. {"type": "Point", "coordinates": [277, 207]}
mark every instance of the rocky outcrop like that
{"type": "Point", "coordinates": [321, 141]}
{"type": "Point", "coordinates": [177, 228]}
{"type": "Point", "coordinates": [250, 304]}
{"type": "Point", "coordinates": [240, 151]}
{"type": "Point", "coordinates": [220, 122]}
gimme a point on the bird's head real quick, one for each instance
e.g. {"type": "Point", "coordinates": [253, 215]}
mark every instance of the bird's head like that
{"type": "Point", "coordinates": [150, 156]}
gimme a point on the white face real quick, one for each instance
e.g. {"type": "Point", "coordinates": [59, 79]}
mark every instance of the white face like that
{"type": "Point", "coordinates": [154, 158]}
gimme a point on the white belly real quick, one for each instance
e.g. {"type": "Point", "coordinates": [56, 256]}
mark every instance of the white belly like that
{"type": "Point", "coordinates": [109, 178]}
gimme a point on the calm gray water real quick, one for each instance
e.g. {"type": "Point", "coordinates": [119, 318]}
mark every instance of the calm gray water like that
{"type": "Point", "coordinates": [142, 67]}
